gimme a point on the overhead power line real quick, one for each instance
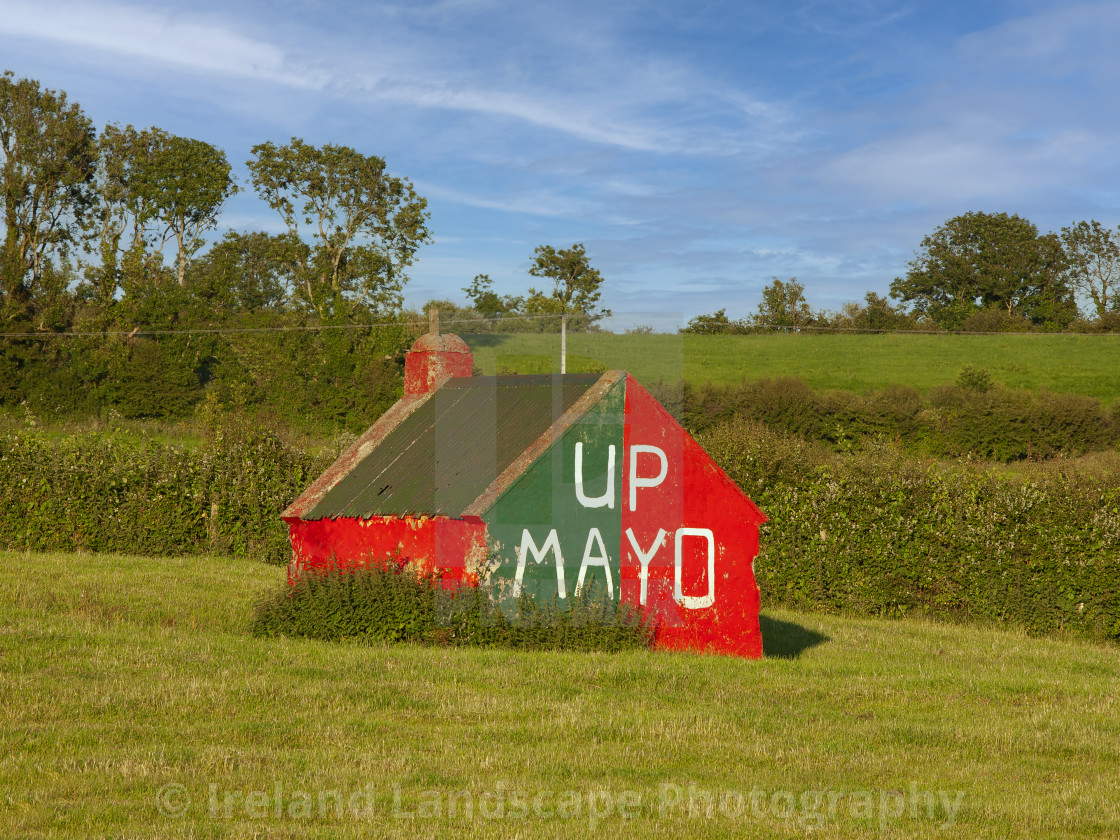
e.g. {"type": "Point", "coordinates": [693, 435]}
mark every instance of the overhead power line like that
{"type": "Point", "coordinates": [144, 331]}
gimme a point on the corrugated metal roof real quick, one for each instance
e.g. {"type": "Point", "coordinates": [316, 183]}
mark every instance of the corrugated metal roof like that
{"type": "Point", "coordinates": [450, 449]}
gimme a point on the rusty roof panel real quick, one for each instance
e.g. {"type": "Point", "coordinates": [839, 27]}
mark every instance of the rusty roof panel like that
{"type": "Point", "coordinates": [451, 448]}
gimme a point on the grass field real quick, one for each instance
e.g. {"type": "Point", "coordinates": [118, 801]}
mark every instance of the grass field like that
{"type": "Point", "coordinates": [136, 705]}
{"type": "Point", "coordinates": [1076, 364]}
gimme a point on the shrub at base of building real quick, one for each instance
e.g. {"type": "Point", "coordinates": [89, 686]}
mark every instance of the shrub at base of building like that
{"type": "Point", "coordinates": [386, 602]}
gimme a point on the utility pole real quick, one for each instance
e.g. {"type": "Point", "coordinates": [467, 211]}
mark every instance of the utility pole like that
{"type": "Point", "coordinates": [563, 343]}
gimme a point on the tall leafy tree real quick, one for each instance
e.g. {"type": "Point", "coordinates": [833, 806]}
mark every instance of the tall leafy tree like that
{"type": "Point", "coordinates": [117, 224]}
{"type": "Point", "coordinates": [783, 304]}
{"type": "Point", "coordinates": [47, 156]}
{"type": "Point", "coordinates": [987, 260]}
{"type": "Point", "coordinates": [183, 184]}
{"type": "Point", "coordinates": [365, 225]}
{"type": "Point", "coordinates": [108, 220]}
{"type": "Point", "coordinates": [575, 289]}
{"type": "Point", "coordinates": [153, 188]}
{"type": "Point", "coordinates": [1093, 262]}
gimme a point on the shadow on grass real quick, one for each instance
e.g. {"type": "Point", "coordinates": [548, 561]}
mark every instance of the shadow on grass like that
{"type": "Point", "coordinates": [785, 640]}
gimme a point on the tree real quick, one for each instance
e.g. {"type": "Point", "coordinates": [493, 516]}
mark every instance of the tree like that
{"type": "Point", "coordinates": [242, 273]}
{"type": "Point", "coordinates": [575, 289]}
{"type": "Point", "coordinates": [980, 260]}
{"type": "Point", "coordinates": [152, 188]}
{"type": "Point", "coordinates": [1093, 262]}
{"type": "Point", "coordinates": [116, 226]}
{"type": "Point", "coordinates": [110, 216]}
{"type": "Point", "coordinates": [783, 305]}
{"type": "Point", "coordinates": [715, 324]}
{"type": "Point", "coordinates": [880, 314]}
{"type": "Point", "coordinates": [365, 224]}
{"type": "Point", "coordinates": [876, 313]}
{"type": "Point", "coordinates": [487, 302]}
{"type": "Point", "coordinates": [183, 184]}
{"type": "Point", "coordinates": [47, 152]}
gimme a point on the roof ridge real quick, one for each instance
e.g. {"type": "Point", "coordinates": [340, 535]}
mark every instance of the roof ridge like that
{"type": "Point", "coordinates": [538, 447]}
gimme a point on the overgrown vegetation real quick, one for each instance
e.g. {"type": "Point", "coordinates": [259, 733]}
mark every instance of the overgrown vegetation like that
{"type": "Point", "coordinates": [387, 602]}
{"type": "Point", "coordinates": [883, 533]}
{"type": "Point", "coordinates": [95, 493]}
{"type": "Point", "coordinates": [971, 418]}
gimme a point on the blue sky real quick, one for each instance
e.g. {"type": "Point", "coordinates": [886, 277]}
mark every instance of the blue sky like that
{"type": "Point", "coordinates": [697, 149]}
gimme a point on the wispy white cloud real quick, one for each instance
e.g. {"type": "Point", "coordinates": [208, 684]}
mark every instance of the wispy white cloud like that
{"type": "Point", "coordinates": [570, 118]}
{"type": "Point", "coordinates": [539, 203]}
{"type": "Point", "coordinates": [848, 18]}
{"type": "Point", "coordinates": [1050, 42]}
{"type": "Point", "coordinates": [610, 96]}
{"type": "Point", "coordinates": [1015, 111]}
{"type": "Point", "coordinates": [186, 41]}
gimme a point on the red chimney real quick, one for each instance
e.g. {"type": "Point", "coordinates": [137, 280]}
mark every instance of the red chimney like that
{"type": "Point", "coordinates": [434, 359]}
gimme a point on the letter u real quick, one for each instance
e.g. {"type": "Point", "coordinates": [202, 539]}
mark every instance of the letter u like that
{"type": "Point", "coordinates": [607, 499]}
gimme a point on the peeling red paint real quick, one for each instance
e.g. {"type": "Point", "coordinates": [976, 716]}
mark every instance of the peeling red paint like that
{"type": "Point", "coordinates": [451, 549]}
{"type": "Point", "coordinates": [433, 360]}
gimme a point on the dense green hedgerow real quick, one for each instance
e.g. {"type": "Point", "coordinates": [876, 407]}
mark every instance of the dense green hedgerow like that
{"type": "Point", "coordinates": [386, 602]}
{"type": "Point", "coordinates": [94, 493]}
{"type": "Point", "coordinates": [883, 533]}
{"type": "Point", "coordinates": [972, 417]}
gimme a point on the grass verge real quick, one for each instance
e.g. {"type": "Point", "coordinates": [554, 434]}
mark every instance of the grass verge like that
{"type": "Point", "coordinates": [136, 703]}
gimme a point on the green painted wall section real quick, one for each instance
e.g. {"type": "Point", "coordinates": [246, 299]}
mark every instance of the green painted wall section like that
{"type": "Point", "coordinates": [545, 499]}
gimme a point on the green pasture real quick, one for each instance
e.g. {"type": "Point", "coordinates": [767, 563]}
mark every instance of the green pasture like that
{"type": "Point", "coordinates": [135, 704]}
{"type": "Point", "coordinates": [1077, 364]}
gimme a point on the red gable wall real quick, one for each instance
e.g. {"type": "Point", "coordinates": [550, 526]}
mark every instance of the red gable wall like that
{"type": "Point", "coordinates": [696, 496]}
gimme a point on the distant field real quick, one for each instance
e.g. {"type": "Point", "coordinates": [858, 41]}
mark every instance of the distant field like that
{"type": "Point", "coordinates": [136, 705]}
{"type": "Point", "coordinates": [1076, 364]}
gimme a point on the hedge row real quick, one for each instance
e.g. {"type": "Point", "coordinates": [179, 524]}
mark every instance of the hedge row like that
{"type": "Point", "coordinates": [971, 418]}
{"type": "Point", "coordinates": [877, 532]}
{"type": "Point", "coordinates": [93, 493]}
{"type": "Point", "coordinates": [883, 533]}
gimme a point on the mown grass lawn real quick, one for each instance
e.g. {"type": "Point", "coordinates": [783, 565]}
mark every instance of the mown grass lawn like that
{"type": "Point", "coordinates": [1075, 364]}
{"type": "Point", "coordinates": [135, 704]}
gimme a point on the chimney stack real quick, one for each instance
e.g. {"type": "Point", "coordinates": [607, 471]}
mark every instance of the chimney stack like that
{"type": "Point", "coordinates": [434, 359]}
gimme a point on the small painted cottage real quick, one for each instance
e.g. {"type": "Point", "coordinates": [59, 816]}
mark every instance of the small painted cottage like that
{"type": "Point", "coordinates": [541, 485]}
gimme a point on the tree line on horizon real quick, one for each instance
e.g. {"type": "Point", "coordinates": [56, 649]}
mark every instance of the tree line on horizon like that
{"type": "Point", "coordinates": [977, 272]}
